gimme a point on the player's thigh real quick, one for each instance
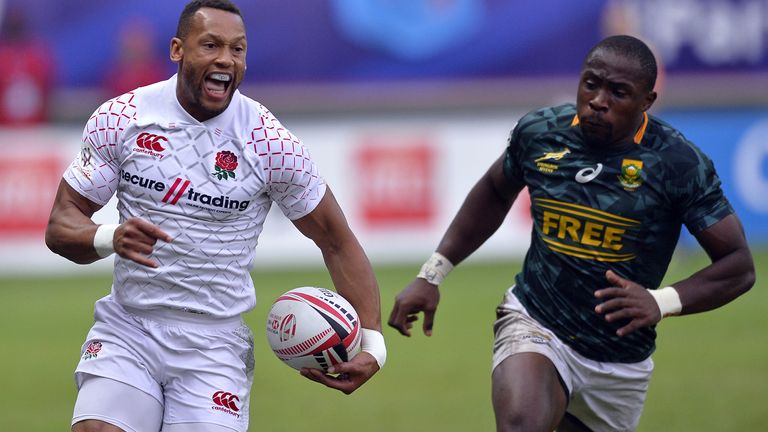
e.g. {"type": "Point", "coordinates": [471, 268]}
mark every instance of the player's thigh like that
{"type": "Point", "coordinates": [208, 374]}
{"type": "Point", "coordinates": [106, 405]}
{"type": "Point", "coordinates": [527, 393]}
{"type": "Point", "coordinates": [613, 397]}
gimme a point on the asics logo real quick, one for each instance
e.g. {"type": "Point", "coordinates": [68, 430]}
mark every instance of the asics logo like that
{"type": "Point", "coordinates": [150, 141]}
{"type": "Point", "coordinates": [588, 174]}
{"type": "Point", "coordinates": [226, 400]}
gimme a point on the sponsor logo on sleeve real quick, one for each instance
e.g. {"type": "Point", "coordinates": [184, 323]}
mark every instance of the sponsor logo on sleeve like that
{"type": "Point", "coordinates": [85, 167]}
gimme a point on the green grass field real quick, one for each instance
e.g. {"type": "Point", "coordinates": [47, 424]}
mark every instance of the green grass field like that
{"type": "Point", "coordinates": [711, 369]}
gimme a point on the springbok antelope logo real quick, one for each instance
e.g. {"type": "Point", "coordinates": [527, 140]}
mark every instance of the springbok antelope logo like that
{"type": "Point", "coordinates": [554, 155]}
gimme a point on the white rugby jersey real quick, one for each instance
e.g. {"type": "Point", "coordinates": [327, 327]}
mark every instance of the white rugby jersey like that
{"type": "Point", "coordinates": [208, 185]}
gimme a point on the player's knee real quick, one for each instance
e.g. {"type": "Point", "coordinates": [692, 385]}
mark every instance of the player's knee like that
{"type": "Point", "coordinates": [94, 426]}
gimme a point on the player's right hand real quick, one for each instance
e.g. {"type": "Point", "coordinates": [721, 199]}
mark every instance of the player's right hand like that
{"type": "Point", "coordinates": [135, 239]}
{"type": "Point", "coordinates": [345, 377]}
{"type": "Point", "coordinates": [419, 296]}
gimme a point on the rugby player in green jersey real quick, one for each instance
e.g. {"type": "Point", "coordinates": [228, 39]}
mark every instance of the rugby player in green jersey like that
{"type": "Point", "coordinates": [610, 187]}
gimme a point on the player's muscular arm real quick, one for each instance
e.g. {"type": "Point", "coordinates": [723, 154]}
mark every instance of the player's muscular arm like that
{"type": "Point", "coordinates": [347, 263]}
{"type": "Point", "coordinates": [731, 273]}
{"type": "Point", "coordinates": [481, 214]}
{"type": "Point", "coordinates": [479, 217]}
{"type": "Point", "coordinates": [70, 228]}
{"type": "Point", "coordinates": [353, 278]}
{"type": "Point", "coordinates": [70, 231]}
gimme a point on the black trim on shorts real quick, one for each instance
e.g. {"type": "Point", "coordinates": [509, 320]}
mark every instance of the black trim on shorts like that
{"type": "Point", "coordinates": [575, 425]}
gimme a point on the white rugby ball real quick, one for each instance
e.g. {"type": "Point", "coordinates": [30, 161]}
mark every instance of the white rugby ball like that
{"type": "Point", "coordinates": [311, 327]}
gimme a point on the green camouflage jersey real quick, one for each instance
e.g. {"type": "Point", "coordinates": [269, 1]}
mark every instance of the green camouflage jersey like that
{"type": "Point", "coordinates": [594, 210]}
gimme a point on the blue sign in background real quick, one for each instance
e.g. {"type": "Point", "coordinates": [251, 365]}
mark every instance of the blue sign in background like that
{"type": "Point", "coordinates": [737, 143]}
{"type": "Point", "coordinates": [390, 40]}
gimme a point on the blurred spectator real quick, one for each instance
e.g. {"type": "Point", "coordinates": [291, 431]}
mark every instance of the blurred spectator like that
{"type": "Point", "coordinates": [138, 62]}
{"type": "Point", "coordinates": [25, 73]}
{"type": "Point", "coordinates": [623, 17]}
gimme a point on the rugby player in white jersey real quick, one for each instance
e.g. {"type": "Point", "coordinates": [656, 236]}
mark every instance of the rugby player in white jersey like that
{"type": "Point", "coordinates": [195, 166]}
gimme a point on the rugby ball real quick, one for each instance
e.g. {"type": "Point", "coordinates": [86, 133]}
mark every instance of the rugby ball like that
{"type": "Point", "coordinates": [311, 327]}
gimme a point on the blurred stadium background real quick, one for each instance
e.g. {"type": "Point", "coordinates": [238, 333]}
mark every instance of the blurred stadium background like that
{"type": "Point", "coordinates": [403, 104]}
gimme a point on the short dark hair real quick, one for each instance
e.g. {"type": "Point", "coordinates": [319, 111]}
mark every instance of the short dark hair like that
{"type": "Point", "coordinates": [189, 11]}
{"type": "Point", "coordinates": [631, 48]}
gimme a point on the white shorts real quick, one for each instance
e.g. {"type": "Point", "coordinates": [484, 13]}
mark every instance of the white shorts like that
{"type": "Point", "coordinates": [603, 396]}
{"type": "Point", "coordinates": [200, 369]}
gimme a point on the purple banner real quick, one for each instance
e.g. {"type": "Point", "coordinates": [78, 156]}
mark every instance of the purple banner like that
{"type": "Point", "coordinates": [341, 41]}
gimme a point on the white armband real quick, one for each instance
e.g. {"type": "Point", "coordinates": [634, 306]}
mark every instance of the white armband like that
{"type": "Point", "coordinates": [103, 240]}
{"type": "Point", "coordinates": [373, 343]}
{"type": "Point", "coordinates": [435, 269]}
{"type": "Point", "coordinates": [668, 300]}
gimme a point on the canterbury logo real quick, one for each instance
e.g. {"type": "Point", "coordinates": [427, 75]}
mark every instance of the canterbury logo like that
{"type": "Point", "coordinates": [176, 191]}
{"type": "Point", "coordinates": [226, 400]}
{"type": "Point", "coordinates": [150, 141]}
{"type": "Point", "coordinates": [554, 155]}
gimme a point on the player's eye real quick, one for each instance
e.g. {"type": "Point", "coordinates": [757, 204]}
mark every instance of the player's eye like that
{"type": "Point", "coordinates": [620, 92]}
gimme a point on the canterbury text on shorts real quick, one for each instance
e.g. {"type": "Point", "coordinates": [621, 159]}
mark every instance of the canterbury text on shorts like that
{"type": "Point", "coordinates": [200, 368]}
{"type": "Point", "coordinates": [603, 396]}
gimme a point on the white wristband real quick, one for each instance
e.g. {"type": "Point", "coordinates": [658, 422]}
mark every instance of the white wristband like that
{"type": "Point", "coordinates": [435, 269]}
{"type": "Point", "coordinates": [103, 240]}
{"type": "Point", "coordinates": [668, 300]}
{"type": "Point", "coordinates": [373, 344]}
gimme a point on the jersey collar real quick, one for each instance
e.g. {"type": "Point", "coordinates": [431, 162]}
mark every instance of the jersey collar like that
{"type": "Point", "coordinates": [638, 135]}
{"type": "Point", "coordinates": [217, 122]}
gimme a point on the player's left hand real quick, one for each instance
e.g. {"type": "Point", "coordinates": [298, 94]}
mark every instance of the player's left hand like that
{"type": "Point", "coordinates": [345, 377]}
{"type": "Point", "coordinates": [627, 300]}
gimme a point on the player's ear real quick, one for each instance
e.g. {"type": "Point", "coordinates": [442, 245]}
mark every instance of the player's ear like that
{"type": "Point", "coordinates": [650, 98]}
{"type": "Point", "coordinates": [177, 50]}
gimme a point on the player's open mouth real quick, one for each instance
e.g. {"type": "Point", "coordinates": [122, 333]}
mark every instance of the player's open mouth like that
{"type": "Point", "coordinates": [216, 84]}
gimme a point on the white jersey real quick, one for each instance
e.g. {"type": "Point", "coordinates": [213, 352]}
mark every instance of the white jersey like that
{"type": "Point", "coordinates": [208, 185]}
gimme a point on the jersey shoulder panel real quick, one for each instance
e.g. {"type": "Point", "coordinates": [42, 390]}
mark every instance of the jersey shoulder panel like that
{"type": "Point", "coordinates": [545, 120]}
{"type": "Point", "coordinates": [291, 176]}
{"type": "Point", "coordinates": [267, 136]}
{"type": "Point", "coordinates": [93, 172]}
{"type": "Point", "coordinates": [681, 156]}
{"type": "Point", "coordinates": [691, 179]}
{"type": "Point", "coordinates": [107, 124]}
{"type": "Point", "coordinates": [554, 121]}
